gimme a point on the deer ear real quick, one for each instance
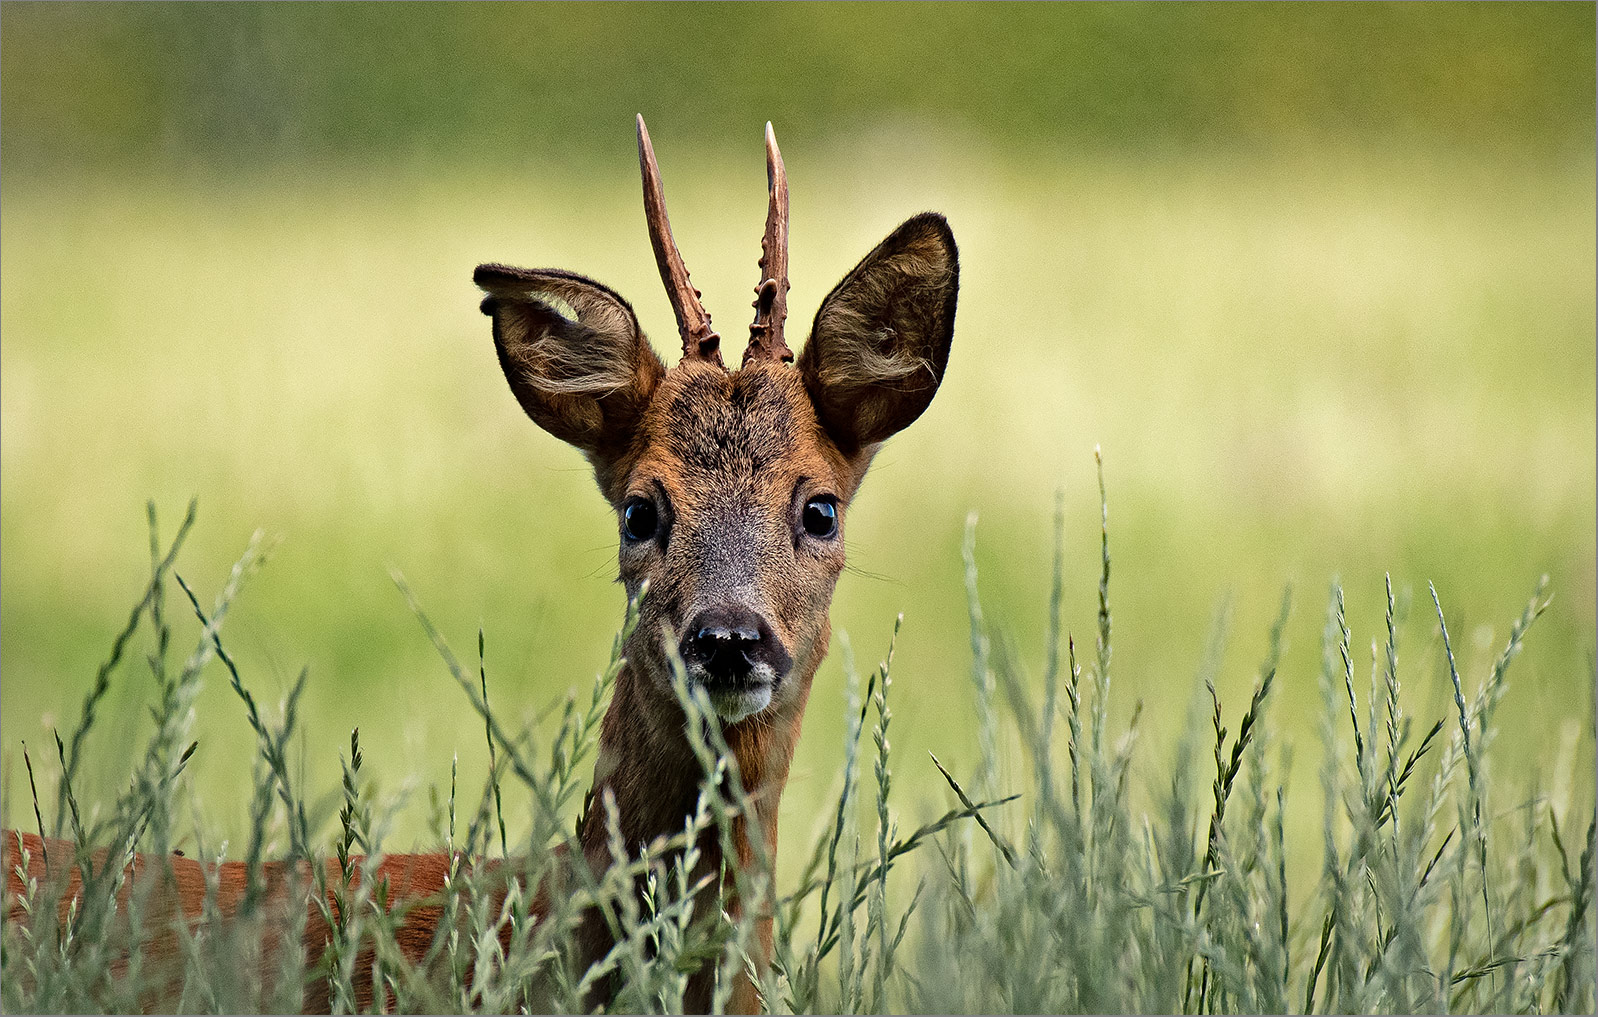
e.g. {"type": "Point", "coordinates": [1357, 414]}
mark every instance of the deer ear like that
{"type": "Point", "coordinates": [573, 354]}
{"type": "Point", "coordinates": [880, 342]}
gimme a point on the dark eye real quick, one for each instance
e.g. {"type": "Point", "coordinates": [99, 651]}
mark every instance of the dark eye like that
{"type": "Point", "coordinates": [638, 519]}
{"type": "Point", "coordinates": [821, 518]}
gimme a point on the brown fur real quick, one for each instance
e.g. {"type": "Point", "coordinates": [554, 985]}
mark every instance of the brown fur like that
{"type": "Point", "coordinates": [181, 885]}
{"type": "Point", "coordinates": [729, 460]}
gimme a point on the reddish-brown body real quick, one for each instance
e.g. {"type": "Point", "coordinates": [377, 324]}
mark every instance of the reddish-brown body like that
{"type": "Point", "coordinates": [730, 489]}
{"type": "Point", "coordinates": [414, 882]}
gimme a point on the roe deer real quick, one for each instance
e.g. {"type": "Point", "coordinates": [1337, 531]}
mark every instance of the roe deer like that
{"type": "Point", "coordinates": [730, 489]}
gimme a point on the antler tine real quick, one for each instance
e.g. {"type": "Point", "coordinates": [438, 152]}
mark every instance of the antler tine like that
{"type": "Point", "coordinates": [699, 340]}
{"type": "Point", "coordinates": [771, 296]}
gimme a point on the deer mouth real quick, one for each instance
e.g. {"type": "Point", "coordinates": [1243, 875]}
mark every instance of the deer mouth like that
{"type": "Point", "coordinates": [737, 696]}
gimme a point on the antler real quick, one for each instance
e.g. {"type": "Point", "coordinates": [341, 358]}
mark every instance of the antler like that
{"type": "Point", "coordinates": [699, 340]}
{"type": "Point", "coordinates": [771, 296]}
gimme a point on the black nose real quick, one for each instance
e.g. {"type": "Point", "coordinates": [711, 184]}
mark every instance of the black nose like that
{"type": "Point", "coordinates": [730, 642]}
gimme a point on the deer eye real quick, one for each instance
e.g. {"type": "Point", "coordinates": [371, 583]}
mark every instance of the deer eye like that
{"type": "Point", "coordinates": [639, 519]}
{"type": "Point", "coordinates": [820, 518]}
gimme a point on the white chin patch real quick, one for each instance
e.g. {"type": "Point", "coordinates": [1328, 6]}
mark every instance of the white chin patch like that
{"type": "Point", "coordinates": [733, 705]}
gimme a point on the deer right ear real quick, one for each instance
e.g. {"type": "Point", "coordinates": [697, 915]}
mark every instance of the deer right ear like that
{"type": "Point", "coordinates": [573, 353]}
{"type": "Point", "coordinates": [880, 343]}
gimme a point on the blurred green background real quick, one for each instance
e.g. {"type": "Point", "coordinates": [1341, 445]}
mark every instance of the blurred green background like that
{"type": "Point", "coordinates": [1319, 279]}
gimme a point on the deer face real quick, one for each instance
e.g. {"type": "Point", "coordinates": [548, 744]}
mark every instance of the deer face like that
{"type": "Point", "coordinates": [732, 511]}
{"type": "Point", "coordinates": [731, 487]}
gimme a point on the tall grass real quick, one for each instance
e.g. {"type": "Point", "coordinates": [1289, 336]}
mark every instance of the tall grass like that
{"type": "Point", "coordinates": [1061, 878]}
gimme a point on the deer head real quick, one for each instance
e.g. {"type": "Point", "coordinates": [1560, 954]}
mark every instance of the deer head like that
{"type": "Point", "coordinates": [731, 487]}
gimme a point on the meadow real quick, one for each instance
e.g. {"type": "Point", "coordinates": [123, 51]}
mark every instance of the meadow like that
{"type": "Point", "coordinates": [1318, 285]}
{"type": "Point", "coordinates": [1088, 896]}
{"type": "Point", "coordinates": [1296, 373]}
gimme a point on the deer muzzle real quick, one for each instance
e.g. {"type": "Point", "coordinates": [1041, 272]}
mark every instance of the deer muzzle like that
{"type": "Point", "coordinates": [737, 657]}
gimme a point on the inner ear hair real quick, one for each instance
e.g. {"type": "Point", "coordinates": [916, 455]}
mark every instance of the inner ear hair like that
{"type": "Point", "coordinates": [558, 355]}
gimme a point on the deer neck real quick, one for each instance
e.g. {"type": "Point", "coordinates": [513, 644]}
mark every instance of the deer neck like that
{"type": "Point", "coordinates": [647, 765]}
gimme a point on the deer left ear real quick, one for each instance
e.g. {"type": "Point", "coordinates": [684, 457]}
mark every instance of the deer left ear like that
{"type": "Point", "coordinates": [574, 355]}
{"type": "Point", "coordinates": [880, 342]}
